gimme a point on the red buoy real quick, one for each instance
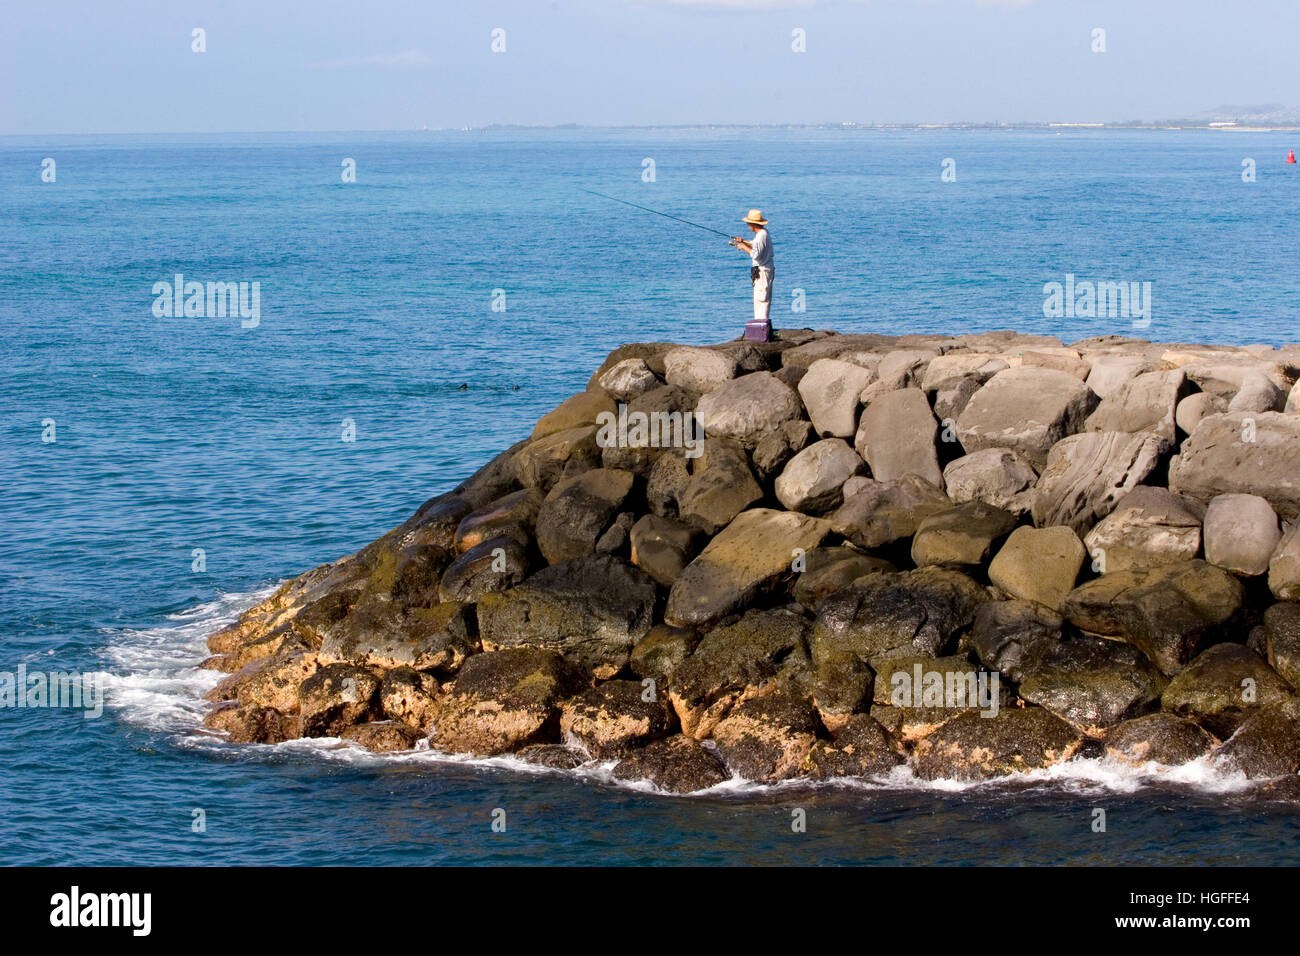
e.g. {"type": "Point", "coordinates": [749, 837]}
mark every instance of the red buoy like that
{"type": "Point", "coordinates": [1290, 155]}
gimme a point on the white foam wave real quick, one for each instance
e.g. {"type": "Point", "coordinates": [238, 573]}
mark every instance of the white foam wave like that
{"type": "Point", "coordinates": [155, 682]}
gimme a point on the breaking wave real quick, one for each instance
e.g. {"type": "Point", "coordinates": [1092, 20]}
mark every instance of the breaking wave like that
{"type": "Point", "coordinates": [154, 682]}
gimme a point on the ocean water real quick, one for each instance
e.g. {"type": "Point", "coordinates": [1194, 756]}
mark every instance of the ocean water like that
{"type": "Point", "coordinates": [376, 298]}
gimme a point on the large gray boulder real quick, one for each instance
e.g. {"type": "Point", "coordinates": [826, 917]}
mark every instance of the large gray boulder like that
{"type": "Point", "coordinates": [830, 392]}
{"type": "Point", "coordinates": [996, 476]}
{"type": "Point", "coordinates": [1086, 475]}
{"type": "Point", "coordinates": [749, 407]}
{"type": "Point", "coordinates": [813, 480]}
{"type": "Point", "coordinates": [1144, 404]}
{"type": "Point", "coordinates": [1150, 526]}
{"type": "Point", "coordinates": [1110, 373]}
{"type": "Point", "coordinates": [880, 512]}
{"type": "Point", "coordinates": [896, 436]}
{"type": "Point", "coordinates": [1241, 533]}
{"type": "Point", "coordinates": [947, 370]}
{"type": "Point", "coordinates": [753, 552]}
{"type": "Point", "coordinates": [628, 379]}
{"type": "Point", "coordinates": [1026, 409]}
{"type": "Point", "coordinates": [1246, 453]}
{"type": "Point", "coordinates": [699, 370]}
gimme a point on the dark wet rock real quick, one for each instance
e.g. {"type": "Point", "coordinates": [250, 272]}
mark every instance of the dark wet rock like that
{"type": "Point", "coordinates": [496, 564]}
{"type": "Point", "coordinates": [614, 717]}
{"type": "Point", "coordinates": [251, 724]}
{"type": "Point", "coordinates": [335, 697]}
{"type": "Point", "coordinates": [436, 638]}
{"type": "Point", "coordinates": [861, 748]}
{"type": "Point", "coordinates": [409, 696]}
{"type": "Point", "coordinates": [436, 522]}
{"type": "Point", "coordinates": [972, 747]}
{"type": "Point", "coordinates": [273, 682]}
{"type": "Point", "coordinates": [506, 700]}
{"type": "Point", "coordinates": [730, 659]}
{"type": "Point", "coordinates": [593, 610]}
{"type": "Point", "coordinates": [657, 423]}
{"type": "Point", "coordinates": [841, 687]}
{"type": "Point", "coordinates": [617, 538]}
{"type": "Point", "coordinates": [1223, 686]}
{"type": "Point", "coordinates": [1166, 612]}
{"type": "Point", "coordinates": [554, 756]}
{"type": "Point", "coordinates": [1160, 737]}
{"type": "Point", "coordinates": [721, 486]}
{"type": "Point", "coordinates": [667, 481]}
{"type": "Point", "coordinates": [827, 570]}
{"type": "Point", "coordinates": [885, 616]}
{"type": "Point", "coordinates": [1266, 744]}
{"type": "Point", "coordinates": [911, 724]}
{"type": "Point", "coordinates": [961, 536]}
{"type": "Point", "coordinates": [1091, 682]}
{"type": "Point", "coordinates": [662, 547]}
{"type": "Point", "coordinates": [780, 445]}
{"type": "Point", "coordinates": [1282, 640]}
{"type": "Point", "coordinates": [388, 736]}
{"type": "Point", "coordinates": [578, 510]}
{"type": "Point", "coordinates": [753, 553]}
{"type": "Point", "coordinates": [658, 654]}
{"type": "Point", "coordinates": [675, 765]}
{"type": "Point", "coordinates": [512, 515]}
{"type": "Point", "coordinates": [1006, 634]}
{"type": "Point", "coordinates": [883, 512]}
{"type": "Point", "coordinates": [767, 737]}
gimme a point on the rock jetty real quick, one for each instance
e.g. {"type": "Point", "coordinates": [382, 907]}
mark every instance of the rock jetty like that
{"type": "Point", "coordinates": [830, 556]}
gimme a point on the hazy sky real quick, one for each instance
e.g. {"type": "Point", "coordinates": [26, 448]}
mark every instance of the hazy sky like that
{"type": "Point", "coordinates": [127, 66]}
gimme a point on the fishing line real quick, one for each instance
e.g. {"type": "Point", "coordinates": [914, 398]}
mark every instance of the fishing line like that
{"type": "Point", "coordinates": [657, 213]}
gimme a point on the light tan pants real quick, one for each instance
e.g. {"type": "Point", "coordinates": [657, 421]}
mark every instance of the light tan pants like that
{"type": "Point", "coordinates": [763, 294]}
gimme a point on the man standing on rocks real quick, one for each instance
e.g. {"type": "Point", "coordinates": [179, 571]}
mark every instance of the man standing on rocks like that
{"type": "Point", "coordinates": [761, 274]}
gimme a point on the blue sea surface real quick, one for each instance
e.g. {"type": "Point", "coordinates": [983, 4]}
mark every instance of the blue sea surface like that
{"type": "Point", "coordinates": [176, 434]}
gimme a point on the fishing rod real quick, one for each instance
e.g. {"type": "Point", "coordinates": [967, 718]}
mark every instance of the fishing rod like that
{"type": "Point", "coordinates": [716, 232]}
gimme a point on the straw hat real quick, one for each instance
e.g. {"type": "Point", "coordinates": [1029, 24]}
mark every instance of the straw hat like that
{"type": "Point", "coordinates": [755, 218]}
